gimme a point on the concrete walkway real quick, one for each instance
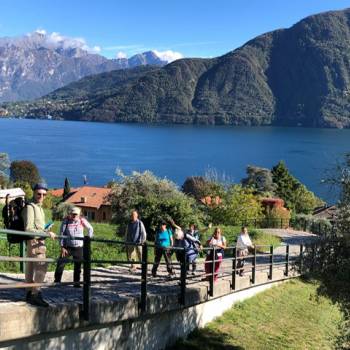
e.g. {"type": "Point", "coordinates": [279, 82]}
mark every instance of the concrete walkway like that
{"type": "Point", "coordinates": [117, 282]}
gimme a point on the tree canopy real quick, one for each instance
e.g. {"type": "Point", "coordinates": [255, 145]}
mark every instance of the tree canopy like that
{"type": "Point", "coordinates": [24, 171]}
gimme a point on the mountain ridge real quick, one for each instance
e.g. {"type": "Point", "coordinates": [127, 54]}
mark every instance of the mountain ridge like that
{"type": "Point", "coordinates": [36, 64]}
{"type": "Point", "coordinates": [299, 76]}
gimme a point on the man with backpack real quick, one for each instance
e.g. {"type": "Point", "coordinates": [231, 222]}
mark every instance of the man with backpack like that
{"type": "Point", "coordinates": [72, 227]}
{"type": "Point", "coordinates": [33, 216]}
{"type": "Point", "coordinates": [135, 234]}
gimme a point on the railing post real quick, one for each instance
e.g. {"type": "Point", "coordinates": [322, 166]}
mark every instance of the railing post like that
{"type": "Point", "coordinates": [211, 291]}
{"type": "Point", "coordinates": [183, 274]}
{"type": "Point", "coordinates": [22, 254]}
{"type": "Point", "coordinates": [144, 270]}
{"type": "Point", "coordinates": [87, 278]}
{"type": "Point", "coordinates": [287, 260]}
{"type": "Point", "coordinates": [271, 263]}
{"type": "Point", "coordinates": [234, 268]}
{"type": "Point", "coordinates": [313, 257]}
{"type": "Point", "coordinates": [254, 266]}
{"type": "Point", "coordinates": [301, 257]}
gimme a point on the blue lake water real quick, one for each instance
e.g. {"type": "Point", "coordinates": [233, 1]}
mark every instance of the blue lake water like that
{"type": "Point", "coordinates": [73, 149]}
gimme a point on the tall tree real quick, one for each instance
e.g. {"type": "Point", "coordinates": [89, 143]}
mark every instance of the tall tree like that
{"type": "Point", "coordinates": [24, 171]}
{"type": "Point", "coordinates": [66, 188]}
{"type": "Point", "coordinates": [296, 196]}
{"type": "Point", "coordinates": [260, 180]}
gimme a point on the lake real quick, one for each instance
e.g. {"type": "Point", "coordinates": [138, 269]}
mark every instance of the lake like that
{"type": "Point", "coordinates": [72, 149]}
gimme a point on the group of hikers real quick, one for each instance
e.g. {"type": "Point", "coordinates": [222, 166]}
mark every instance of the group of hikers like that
{"type": "Point", "coordinates": [169, 238]}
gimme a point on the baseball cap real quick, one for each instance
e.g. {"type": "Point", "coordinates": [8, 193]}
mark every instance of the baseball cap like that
{"type": "Point", "coordinates": [40, 186]}
{"type": "Point", "coordinates": [75, 210]}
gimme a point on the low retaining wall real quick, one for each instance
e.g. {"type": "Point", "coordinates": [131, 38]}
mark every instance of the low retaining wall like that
{"type": "Point", "coordinates": [119, 325]}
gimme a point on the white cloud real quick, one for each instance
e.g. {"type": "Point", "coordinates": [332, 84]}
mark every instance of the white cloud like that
{"type": "Point", "coordinates": [121, 54]}
{"type": "Point", "coordinates": [168, 55]}
{"type": "Point", "coordinates": [55, 39]}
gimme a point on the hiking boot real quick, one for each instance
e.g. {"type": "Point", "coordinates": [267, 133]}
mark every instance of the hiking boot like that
{"type": "Point", "coordinates": [154, 274]}
{"type": "Point", "coordinates": [37, 300]}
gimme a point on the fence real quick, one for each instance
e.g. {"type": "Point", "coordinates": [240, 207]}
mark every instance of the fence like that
{"type": "Point", "coordinates": [262, 258]}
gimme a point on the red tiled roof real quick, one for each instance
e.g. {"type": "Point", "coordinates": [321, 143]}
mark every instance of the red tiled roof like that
{"type": "Point", "coordinates": [88, 196]}
{"type": "Point", "coordinates": [59, 191]}
{"type": "Point", "coordinates": [273, 201]}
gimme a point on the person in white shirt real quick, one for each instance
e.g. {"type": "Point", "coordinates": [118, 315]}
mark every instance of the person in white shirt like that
{"type": "Point", "coordinates": [72, 227]}
{"type": "Point", "coordinates": [243, 245]}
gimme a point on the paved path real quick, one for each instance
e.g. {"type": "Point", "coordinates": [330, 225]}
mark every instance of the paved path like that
{"type": "Point", "coordinates": [117, 282]}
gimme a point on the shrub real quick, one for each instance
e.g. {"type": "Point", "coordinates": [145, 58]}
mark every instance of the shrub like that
{"type": "Point", "coordinates": [312, 224]}
{"type": "Point", "coordinates": [154, 198]}
{"type": "Point", "coordinates": [26, 187]}
{"type": "Point", "coordinates": [60, 211]}
{"type": "Point", "coordinates": [277, 217]}
{"type": "Point", "coordinates": [238, 206]}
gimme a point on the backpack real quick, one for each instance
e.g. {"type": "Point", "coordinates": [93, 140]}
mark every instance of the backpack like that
{"type": "Point", "coordinates": [16, 222]}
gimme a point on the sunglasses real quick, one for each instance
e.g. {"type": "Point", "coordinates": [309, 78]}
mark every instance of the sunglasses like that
{"type": "Point", "coordinates": [40, 194]}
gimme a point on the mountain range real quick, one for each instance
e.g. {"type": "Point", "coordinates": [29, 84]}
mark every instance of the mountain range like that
{"type": "Point", "coordinates": [36, 64]}
{"type": "Point", "coordinates": [298, 76]}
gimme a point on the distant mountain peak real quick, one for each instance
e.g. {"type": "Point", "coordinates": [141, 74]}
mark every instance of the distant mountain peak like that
{"type": "Point", "coordinates": [37, 63]}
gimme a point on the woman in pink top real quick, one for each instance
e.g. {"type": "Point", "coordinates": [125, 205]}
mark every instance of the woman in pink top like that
{"type": "Point", "coordinates": [219, 242]}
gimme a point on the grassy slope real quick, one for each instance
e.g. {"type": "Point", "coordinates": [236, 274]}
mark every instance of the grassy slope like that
{"type": "Point", "coordinates": [291, 316]}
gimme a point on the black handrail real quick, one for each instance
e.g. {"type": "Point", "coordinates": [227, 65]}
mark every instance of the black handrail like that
{"type": "Point", "coordinates": [184, 280]}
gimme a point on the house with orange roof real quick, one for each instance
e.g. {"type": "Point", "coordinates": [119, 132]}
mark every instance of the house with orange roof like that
{"type": "Point", "coordinates": [93, 202]}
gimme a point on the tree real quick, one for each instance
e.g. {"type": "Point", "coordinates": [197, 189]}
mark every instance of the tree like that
{"type": "Point", "coordinates": [4, 165]}
{"type": "Point", "coordinates": [66, 188]}
{"type": "Point", "coordinates": [295, 195]}
{"type": "Point", "coordinates": [154, 198]}
{"type": "Point", "coordinates": [239, 205]}
{"type": "Point", "coordinates": [24, 171]}
{"type": "Point", "coordinates": [200, 187]}
{"type": "Point", "coordinates": [259, 179]}
{"type": "Point", "coordinates": [26, 187]}
{"type": "Point", "coordinates": [305, 201]}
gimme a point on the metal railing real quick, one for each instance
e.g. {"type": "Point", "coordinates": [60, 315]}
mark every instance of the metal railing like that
{"type": "Point", "coordinates": [262, 258]}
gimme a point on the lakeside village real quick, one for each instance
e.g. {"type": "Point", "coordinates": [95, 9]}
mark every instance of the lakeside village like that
{"type": "Point", "coordinates": [264, 196]}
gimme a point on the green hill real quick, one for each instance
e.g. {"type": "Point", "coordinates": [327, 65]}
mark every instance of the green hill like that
{"type": "Point", "coordinates": [295, 76]}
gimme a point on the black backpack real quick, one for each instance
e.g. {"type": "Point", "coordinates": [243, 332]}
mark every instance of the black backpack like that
{"type": "Point", "coordinates": [15, 222]}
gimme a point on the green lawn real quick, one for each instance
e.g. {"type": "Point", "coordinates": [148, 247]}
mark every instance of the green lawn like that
{"type": "Point", "coordinates": [289, 316]}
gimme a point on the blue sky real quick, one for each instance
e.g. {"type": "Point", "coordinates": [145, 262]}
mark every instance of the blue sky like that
{"type": "Point", "coordinates": [193, 28]}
